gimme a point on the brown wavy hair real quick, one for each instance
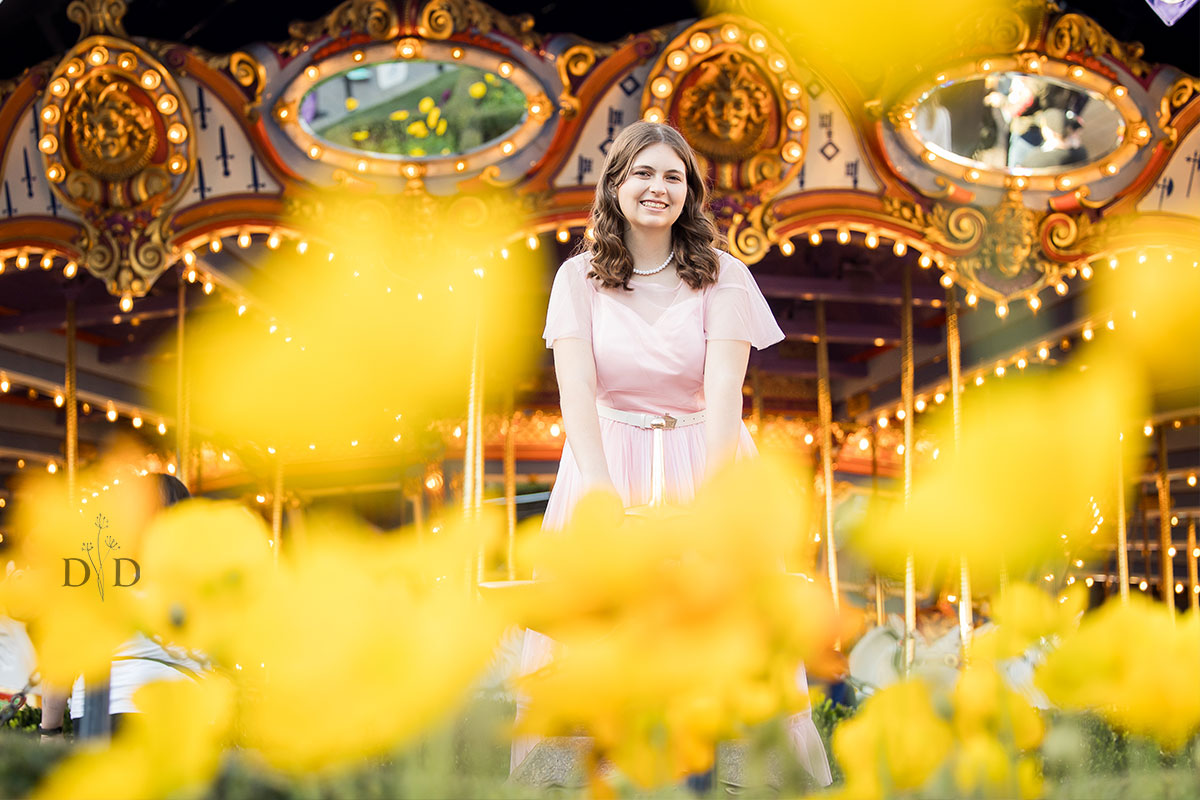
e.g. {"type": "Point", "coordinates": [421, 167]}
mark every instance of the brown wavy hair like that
{"type": "Point", "coordinates": [693, 235]}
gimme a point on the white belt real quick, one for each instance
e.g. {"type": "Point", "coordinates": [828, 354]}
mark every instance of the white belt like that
{"type": "Point", "coordinates": [650, 421]}
{"type": "Point", "coordinates": [656, 423]}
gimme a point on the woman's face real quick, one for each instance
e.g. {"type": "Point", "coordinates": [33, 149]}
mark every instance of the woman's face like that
{"type": "Point", "coordinates": [655, 189]}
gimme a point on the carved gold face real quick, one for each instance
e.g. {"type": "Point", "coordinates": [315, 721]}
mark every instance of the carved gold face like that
{"type": "Point", "coordinates": [725, 114]}
{"type": "Point", "coordinates": [113, 134]}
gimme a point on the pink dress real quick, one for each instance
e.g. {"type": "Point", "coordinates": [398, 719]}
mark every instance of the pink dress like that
{"type": "Point", "coordinates": [649, 346]}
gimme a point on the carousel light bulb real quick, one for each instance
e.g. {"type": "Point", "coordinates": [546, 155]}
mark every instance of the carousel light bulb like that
{"type": "Point", "coordinates": [1085, 272]}
{"type": "Point", "coordinates": [1043, 352]}
{"type": "Point", "coordinates": [506, 148]}
{"type": "Point", "coordinates": [899, 248]}
{"type": "Point", "coordinates": [1142, 258]}
{"type": "Point", "coordinates": [1111, 325]}
{"type": "Point", "coordinates": [1191, 479]}
{"type": "Point", "coordinates": [882, 421]}
{"type": "Point", "coordinates": [563, 235]}
{"type": "Point", "coordinates": [208, 287]}
{"type": "Point", "coordinates": [939, 398]}
{"type": "Point", "coordinates": [301, 247]}
{"type": "Point", "coordinates": [47, 261]}
{"type": "Point", "coordinates": [532, 242]}
{"type": "Point", "coordinates": [919, 405]}
{"type": "Point", "coordinates": [126, 303]}
{"type": "Point", "coordinates": [979, 380]}
{"type": "Point", "coordinates": [22, 260]}
{"type": "Point", "coordinates": [946, 280]}
{"type": "Point", "coordinates": [814, 238]}
{"type": "Point", "coordinates": [1178, 588]}
{"type": "Point", "coordinates": [52, 468]}
{"type": "Point", "coordinates": [111, 413]}
{"type": "Point", "coordinates": [972, 299]}
{"type": "Point", "coordinates": [162, 429]}
{"type": "Point", "coordinates": [901, 414]}
{"type": "Point", "coordinates": [273, 241]}
{"type": "Point", "coordinates": [924, 261]}
{"type": "Point", "coordinates": [786, 247]}
{"type": "Point", "coordinates": [899, 449]}
{"type": "Point", "coordinates": [1001, 310]}
{"type": "Point", "coordinates": [1088, 582]}
{"type": "Point", "coordinates": [1142, 585]}
{"type": "Point", "coordinates": [999, 370]}
{"type": "Point", "coordinates": [4, 384]}
{"type": "Point", "coordinates": [879, 341]}
{"type": "Point", "coordinates": [1174, 522]}
{"type": "Point", "coordinates": [808, 438]}
{"type": "Point", "coordinates": [1034, 302]}
{"type": "Point", "coordinates": [1061, 288]}
{"type": "Point", "coordinates": [1022, 363]}
{"type": "Point", "coordinates": [136, 421]}
{"type": "Point", "coordinates": [70, 269]}
{"type": "Point", "coordinates": [864, 443]}
{"type": "Point", "coordinates": [1148, 429]}
{"type": "Point", "coordinates": [192, 275]}
{"type": "Point", "coordinates": [505, 69]}
{"type": "Point", "coordinates": [215, 244]}
{"type": "Point", "coordinates": [872, 241]}
{"type": "Point", "coordinates": [59, 399]}
{"type": "Point", "coordinates": [1088, 333]}
{"type": "Point", "coordinates": [843, 236]}
{"type": "Point", "coordinates": [1171, 550]}
{"type": "Point", "coordinates": [243, 239]}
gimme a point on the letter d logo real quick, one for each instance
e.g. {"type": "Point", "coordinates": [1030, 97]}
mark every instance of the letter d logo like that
{"type": "Point", "coordinates": [87, 571]}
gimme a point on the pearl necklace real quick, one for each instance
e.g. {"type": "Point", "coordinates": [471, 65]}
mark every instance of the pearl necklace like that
{"type": "Point", "coordinates": [656, 270]}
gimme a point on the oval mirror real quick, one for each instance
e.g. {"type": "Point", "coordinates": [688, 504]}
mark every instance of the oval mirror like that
{"type": "Point", "coordinates": [412, 108]}
{"type": "Point", "coordinates": [1013, 121]}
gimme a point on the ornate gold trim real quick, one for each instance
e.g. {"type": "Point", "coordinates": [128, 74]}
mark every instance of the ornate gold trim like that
{"type": "Point", "coordinates": [442, 19]}
{"type": "Point", "coordinates": [375, 18]}
{"type": "Point", "coordinates": [1176, 97]}
{"type": "Point", "coordinates": [1075, 33]}
{"type": "Point", "coordinates": [98, 17]}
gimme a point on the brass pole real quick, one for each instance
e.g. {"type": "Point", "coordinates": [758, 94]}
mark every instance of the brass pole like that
{"type": "Point", "coordinates": [182, 422]}
{"type": "Point", "coordinates": [880, 607]}
{"type": "Point", "coordinates": [1144, 527]}
{"type": "Point", "coordinates": [966, 622]}
{"type": "Point", "coordinates": [510, 486]}
{"type": "Point", "coordinates": [825, 410]}
{"type": "Point", "coordinates": [1166, 563]}
{"type": "Point", "coordinates": [72, 390]}
{"type": "Point", "coordinates": [1122, 537]}
{"type": "Point", "coordinates": [477, 500]}
{"type": "Point", "coordinates": [906, 395]}
{"type": "Point", "coordinates": [277, 507]}
{"type": "Point", "coordinates": [418, 503]}
{"type": "Point", "coordinates": [1193, 580]}
{"type": "Point", "coordinates": [468, 491]}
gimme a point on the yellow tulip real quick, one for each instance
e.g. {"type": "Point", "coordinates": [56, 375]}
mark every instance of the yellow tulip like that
{"type": "Point", "coordinates": [432, 118]}
{"type": "Point", "coordinates": [426, 105]}
{"type": "Point", "coordinates": [477, 89]}
{"type": "Point", "coordinates": [418, 129]}
{"type": "Point", "coordinates": [398, 115]}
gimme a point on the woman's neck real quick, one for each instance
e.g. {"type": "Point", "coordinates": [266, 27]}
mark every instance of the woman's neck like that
{"type": "Point", "coordinates": [648, 249]}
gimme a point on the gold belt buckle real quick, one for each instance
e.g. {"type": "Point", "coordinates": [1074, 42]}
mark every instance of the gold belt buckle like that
{"type": "Point", "coordinates": [665, 422]}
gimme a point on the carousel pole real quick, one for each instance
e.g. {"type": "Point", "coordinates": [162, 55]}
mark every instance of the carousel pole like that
{"type": "Point", "coordinates": [1193, 579]}
{"type": "Point", "coordinates": [1166, 563]}
{"type": "Point", "coordinates": [277, 507]}
{"type": "Point", "coordinates": [966, 622]}
{"type": "Point", "coordinates": [1122, 535]}
{"type": "Point", "coordinates": [825, 410]}
{"type": "Point", "coordinates": [880, 609]}
{"type": "Point", "coordinates": [906, 394]}
{"type": "Point", "coordinates": [510, 486]}
{"type": "Point", "coordinates": [72, 390]}
{"type": "Point", "coordinates": [1144, 527]}
{"type": "Point", "coordinates": [182, 421]}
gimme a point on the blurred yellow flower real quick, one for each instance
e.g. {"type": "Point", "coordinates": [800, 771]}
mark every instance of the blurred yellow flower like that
{"type": "Point", "coordinates": [1005, 500]}
{"type": "Point", "coordinates": [490, 78]}
{"type": "Point", "coordinates": [418, 129]}
{"type": "Point", "coordinates": [432, 118]}
{"type": "Point", "coordinates": [417, 152]}
{"type": "Point", "coordinates": [477, 89]}
{"type": "Point", "coordinates": [1131, 664]}
{"type": "Point", "coordinates": [678, 627]}
{"type": "Point", "coordinates": [351, 103]}
{"type": "Point", "coordinates": [426, 105]}
{"type": "Point", "coordinates": [399, 115]}
{"type": "Point", "coordinates": [896, 740]}
{"type": "Point", "coordinates": [170, 749]}
{"type": "Point", "coordinates": [360, 136]}
{"type": "Point", "coordinates": [441, 127]}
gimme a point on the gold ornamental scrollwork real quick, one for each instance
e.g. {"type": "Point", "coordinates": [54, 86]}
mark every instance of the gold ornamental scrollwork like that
{"type": "Point", "coordinates": [249, 73]}
{"type": "Point", "coordinates": [575, 62]}
{"type": "Point", "coordinates": [1075, 33]}
{"type": "Point", "coordinates": [117, 146]}
{"type": "Point", "coordinates": [97, 17]}
{"type": "Point", "coordinates": [375, 18]}
{"type": "Point", "coordinates": [725, 114]}
{"type": "Point", "coordinates": [441, 19]}
{"type": "Point", "coordinates": [1176, 97]}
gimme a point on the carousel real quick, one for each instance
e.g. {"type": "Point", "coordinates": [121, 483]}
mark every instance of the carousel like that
{"type": "Point", "coordinates": [920, 236]}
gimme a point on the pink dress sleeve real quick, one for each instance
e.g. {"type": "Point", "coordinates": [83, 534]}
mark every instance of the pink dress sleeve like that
{"type": "Point", "coordinates": [570, 313]}
{"type": "Point", "coordinates": [734, 308]}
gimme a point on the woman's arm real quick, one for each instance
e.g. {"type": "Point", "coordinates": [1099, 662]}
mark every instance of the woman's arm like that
{"type": "Point", "coordinates": [724, 373]}
{"type": "Point", "coordinates": [575, 368]}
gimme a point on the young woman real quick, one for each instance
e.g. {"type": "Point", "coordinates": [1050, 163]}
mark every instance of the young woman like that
{"type": "Point", "coordinates": [651, 320]}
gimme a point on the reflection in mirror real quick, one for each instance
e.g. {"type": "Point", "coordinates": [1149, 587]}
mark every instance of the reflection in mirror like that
{"type": "Point", "coordinates": [1012, 120]}
{"type": "Point", "coordinates": [412, 108]}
